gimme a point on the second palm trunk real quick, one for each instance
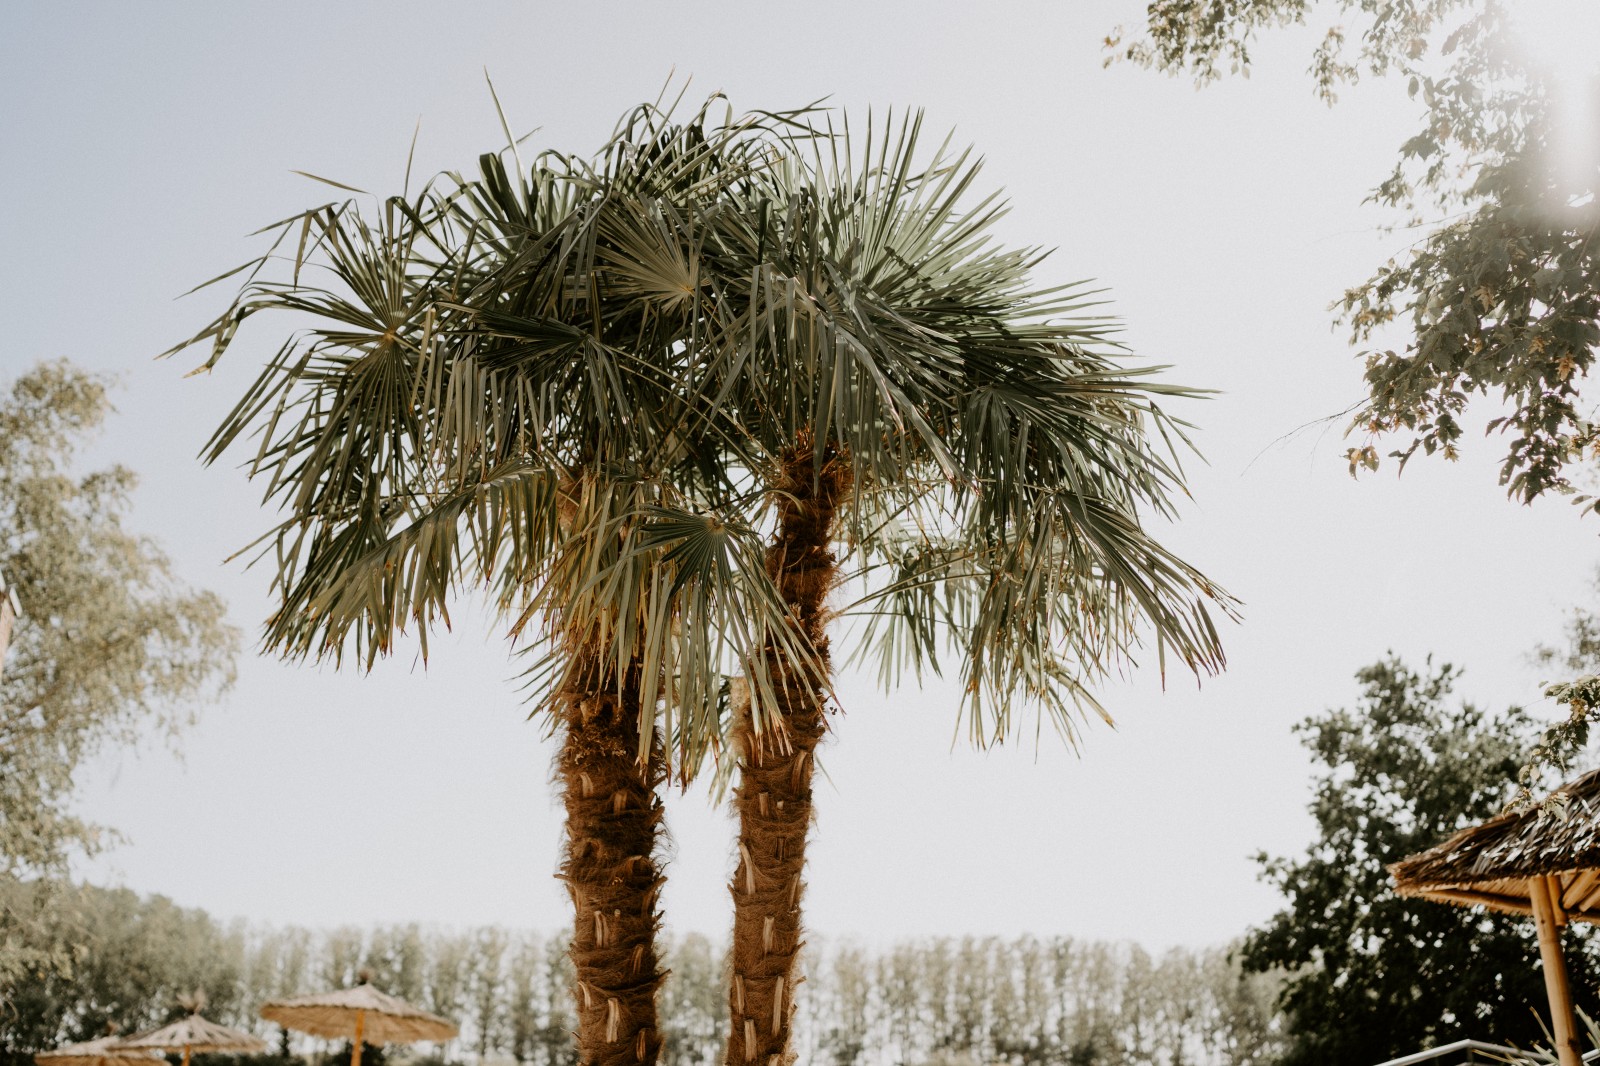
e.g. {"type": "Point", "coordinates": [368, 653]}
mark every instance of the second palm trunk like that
{"type": "Point", "coordinates": [613, 818]}
{"type": "Point", "coordinates": [773, 799]}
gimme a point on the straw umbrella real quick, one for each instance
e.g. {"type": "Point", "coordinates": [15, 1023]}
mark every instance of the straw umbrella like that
{"type": "Point", "coordinates": [357, 1014]}
{"type": "Point", "coordinates": [194, 1033]}
{"type": "Point", "coordinates": [1543, 861]}
{"type": "Point", "coordinates": [106, 1051]}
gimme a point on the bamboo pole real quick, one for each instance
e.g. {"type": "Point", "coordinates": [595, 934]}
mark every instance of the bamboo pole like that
{"type": "Point", "coordinates": [1544, 892]}
{"type": "Point", "coordinates": [186, 1050]}
{"type": "Point", "coordinates": [361, 1020]}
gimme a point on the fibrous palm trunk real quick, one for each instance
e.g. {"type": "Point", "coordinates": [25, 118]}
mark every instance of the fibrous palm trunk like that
{"type": "Point", "coordinates": [613, 820]}
{"type": "Point", "coordinates": [773, 799]}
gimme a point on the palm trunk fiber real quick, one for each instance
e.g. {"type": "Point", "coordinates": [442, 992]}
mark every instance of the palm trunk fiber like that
{"type": "Point", "coordinates": [773, 799]}
{"type": "Point", "coordinates": [613, 820]}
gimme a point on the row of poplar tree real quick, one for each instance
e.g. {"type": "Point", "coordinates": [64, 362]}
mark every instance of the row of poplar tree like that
{"type": "Point", "coordinates": [978, 1000]}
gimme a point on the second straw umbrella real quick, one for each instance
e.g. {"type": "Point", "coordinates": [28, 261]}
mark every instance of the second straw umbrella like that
{"type": "Point", "coordinates": [193, 1033]}
{"type": "Point", "coordinates": [359, 1014]}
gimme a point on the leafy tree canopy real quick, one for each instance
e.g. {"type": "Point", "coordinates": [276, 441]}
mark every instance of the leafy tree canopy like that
{"type": "Point", "coordinates": [1373, 976]}
{"type": "Point", "coordinates": [1501, 295]}
{"type": "Point", "coordinates": [108, 645]}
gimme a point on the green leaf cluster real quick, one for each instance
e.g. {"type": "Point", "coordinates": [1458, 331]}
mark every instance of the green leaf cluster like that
{"type": "Point", "coordinates": [1498, 294]}
{"type": "Point", "coordinates": [109, 645]}
{"type": "Point", "coordinates": [1370, 975]}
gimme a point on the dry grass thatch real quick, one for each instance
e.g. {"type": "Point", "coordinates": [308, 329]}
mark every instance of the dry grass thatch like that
{"type": "Point", "coordinates": [102, 1052]}
{"type": "Point", "coordinates": [384, 1018]}
{"type": "Point", "coordinates": [1492, 864]}
{"type": "Point", "coordinates": [194, 1032]}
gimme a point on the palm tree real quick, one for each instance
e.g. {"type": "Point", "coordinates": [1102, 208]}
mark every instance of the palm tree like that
{"type": "Point", "coordinates": [892, 387]}
{"type": "Point", "coordinates": [485, 388]}
{"type": "Point", "coordinates": [869, 375]}
{"type": "Point", "coordinates": [649, 403]}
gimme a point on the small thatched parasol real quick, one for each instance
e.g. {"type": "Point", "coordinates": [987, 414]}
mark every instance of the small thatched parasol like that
{"type": "Point", "coordinates": [357, 1014]}
{"type": "Point", "coordinates": [1543, 861]}
{"type": "Point", "coordinates": [194, 1033]}
{"type": "Point", "coordinates": [102, 1052]}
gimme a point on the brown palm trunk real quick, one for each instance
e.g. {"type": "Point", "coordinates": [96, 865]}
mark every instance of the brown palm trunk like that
{"type": "Point", "coordinates": [613, 819]}
{"type": "Point", "coordinates": [773, 799]}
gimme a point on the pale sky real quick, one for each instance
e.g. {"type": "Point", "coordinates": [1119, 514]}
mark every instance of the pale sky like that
{"type": "Point", "coordinates": [141, 143]}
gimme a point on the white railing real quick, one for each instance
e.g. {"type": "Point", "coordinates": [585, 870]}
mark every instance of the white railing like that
{"type": "Point", "coordinates": [1465, 1052]}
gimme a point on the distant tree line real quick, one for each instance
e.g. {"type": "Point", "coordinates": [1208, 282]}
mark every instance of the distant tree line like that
{"type": "Point", "coordinates": [1028, 1002]}
{"type": "Point", "coordinates": [1036, 1002]}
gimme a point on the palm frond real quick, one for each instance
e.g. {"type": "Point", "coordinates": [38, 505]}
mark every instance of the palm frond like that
{"type": "Point", "coordinates": [571, 379]}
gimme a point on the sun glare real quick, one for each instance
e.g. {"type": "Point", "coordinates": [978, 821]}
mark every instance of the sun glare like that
{"type": "Point", "coordinates": [1563, 38]}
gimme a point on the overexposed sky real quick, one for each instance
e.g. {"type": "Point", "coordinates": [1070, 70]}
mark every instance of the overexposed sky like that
{"type": "Point", "coordinates": [141, 143]}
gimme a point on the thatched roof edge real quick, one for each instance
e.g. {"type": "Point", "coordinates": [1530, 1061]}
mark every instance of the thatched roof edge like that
{"type": "Point", "coordinates": [1561, 835]}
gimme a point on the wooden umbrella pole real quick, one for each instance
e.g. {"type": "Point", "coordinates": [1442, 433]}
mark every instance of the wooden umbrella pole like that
{"type": "Point", "coordinates": [186, 1055]}
{"type": "Point", "coordinates": [1543, 895]}
{"type": "Point", "coordinates": [361, 1018]}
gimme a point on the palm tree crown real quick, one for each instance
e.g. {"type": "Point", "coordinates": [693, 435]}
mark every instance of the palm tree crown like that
{"type": "Point", "coordinates": [653, 401]}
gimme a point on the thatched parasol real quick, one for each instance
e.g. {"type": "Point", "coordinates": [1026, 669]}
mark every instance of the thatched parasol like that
{"type": "Point", "coordinates": [1543, 861]}
{"type": "Point", "coordinates": [191, 1034]}
{"type": "Point", "coordinates": [357, 1014]}
{"type": "Point", "coordinates": [102, 1052]}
